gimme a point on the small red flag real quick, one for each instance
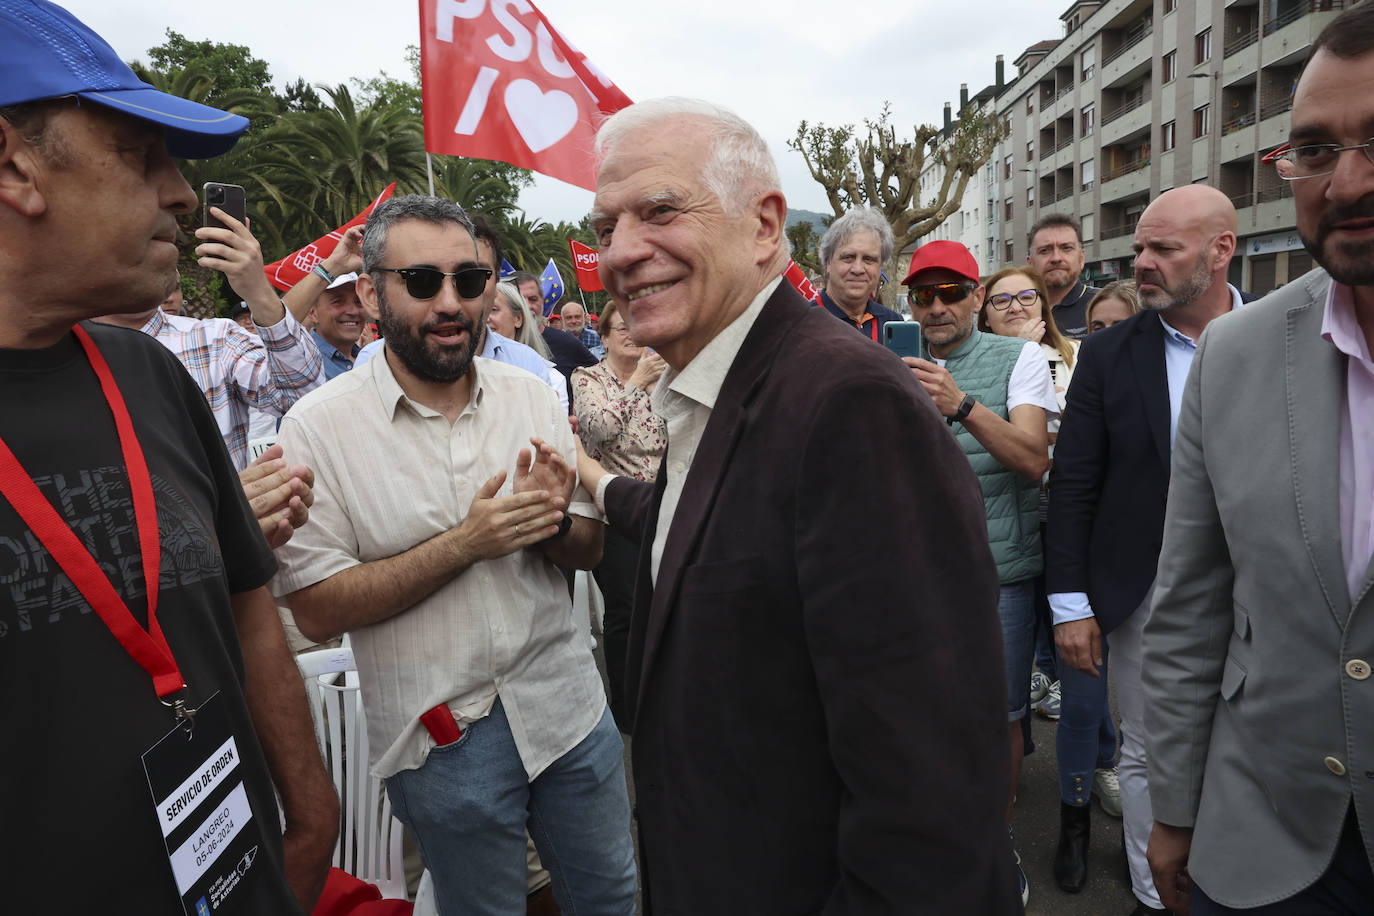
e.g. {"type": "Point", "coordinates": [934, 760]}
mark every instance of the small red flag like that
{"type": "Point", "coordinates": [499, 82]}
{"type": "Point", "coordinates": [585, 260]}
{"type": "Point", "coordinates": [289, 271]}
{"type": "Point", "coordinates": [798, 278]}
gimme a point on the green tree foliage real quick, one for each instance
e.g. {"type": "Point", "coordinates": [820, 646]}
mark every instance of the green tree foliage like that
{"type": "Point", "coordinates": [805, 246]}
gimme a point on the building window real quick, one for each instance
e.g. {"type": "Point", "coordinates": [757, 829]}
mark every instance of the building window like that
{"type": "Point", "coordinates": [1089, 119]}
{"type": "Point", "coordinates": [1087, 225]}
{"type": "Point", "coordinates": [1168, 69]}
{"type": "Point", "coordinates": [1089, 173]}
{"type": "Point", "coordinates": [1030, 150]}
{"type": "Point", "coordinates": [1008, 208]}
{"type": "Point", "coordinates": [1089, 60]}
{"type": "Point", "coordinates": [1030, 195]}
{"type": "Point", "coordinates": [1006, 168]}
{"type": "Point", "coordinates": [1170, 6]}
{"type": "Point", "coordinates": [1202, 46]}
{"type": "Point", "coordinates": [1011, 254]}
{"type": "Point", "coordinates": [1030, 104]}
{"type": "Point", "coordinates": [1202, 122]}
{"type": "Point", "coordinates": [1166, 137]}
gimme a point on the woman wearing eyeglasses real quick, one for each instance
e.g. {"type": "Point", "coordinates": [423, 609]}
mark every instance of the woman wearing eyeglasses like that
{"type": "Point", "coordinates": [1086, 737]}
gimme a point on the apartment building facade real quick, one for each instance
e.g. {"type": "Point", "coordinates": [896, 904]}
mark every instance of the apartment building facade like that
{"type": "Point", "coordinates": [1138, 97]}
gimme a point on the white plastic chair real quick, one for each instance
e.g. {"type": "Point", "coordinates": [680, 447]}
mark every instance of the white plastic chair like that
{"type": "Point", "coordinates": [369, 836]}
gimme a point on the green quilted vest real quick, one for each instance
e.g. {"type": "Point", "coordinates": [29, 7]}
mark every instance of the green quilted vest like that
{"type": "Point", "coordinates": [982, 366]}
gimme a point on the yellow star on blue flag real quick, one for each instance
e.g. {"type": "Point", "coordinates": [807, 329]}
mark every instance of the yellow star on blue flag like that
{"type": "Point", "coordinates": [551, 283]}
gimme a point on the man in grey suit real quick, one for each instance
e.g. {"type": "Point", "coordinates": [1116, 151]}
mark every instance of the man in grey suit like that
{"type": "Point", "coordinates": [1258, 650]}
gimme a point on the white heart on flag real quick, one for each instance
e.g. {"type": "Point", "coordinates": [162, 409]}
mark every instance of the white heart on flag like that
{"type": "Point", "coordinates": [543, 118]}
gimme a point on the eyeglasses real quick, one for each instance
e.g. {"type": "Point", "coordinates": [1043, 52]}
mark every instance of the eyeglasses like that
{"type": "Point", "coordinates": [1312, 160]}
{"type": "Point", "coordinates": [949, 293]}
{"type": "Point", "coordinates": [425, 282]}
{"type": "Point", "coordinates": [617, 329]}
{"type": "Point", "coordinates": [1002, 301]}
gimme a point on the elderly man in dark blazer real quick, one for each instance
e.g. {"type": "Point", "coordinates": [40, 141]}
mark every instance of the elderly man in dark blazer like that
{"type": "Point", "coordinates": [787, 754]}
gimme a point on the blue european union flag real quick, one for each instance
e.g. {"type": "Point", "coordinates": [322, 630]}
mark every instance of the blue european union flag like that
{"type": "Point", "coordinates": [202, 908]}
{"type": "Point", "coordinates": [507, 271]}
{"type": "Point", "coordinates": [552, 285]}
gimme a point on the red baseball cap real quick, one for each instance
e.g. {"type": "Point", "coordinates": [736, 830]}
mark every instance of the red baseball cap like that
{"type": "Point", "coordinates": [943, 254]}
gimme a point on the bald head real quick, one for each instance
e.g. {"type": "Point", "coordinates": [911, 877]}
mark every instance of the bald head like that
{"type": "Point", "coordinates": [1205, 207]}
{"type": "Point", "coordinates": [1183, 247]}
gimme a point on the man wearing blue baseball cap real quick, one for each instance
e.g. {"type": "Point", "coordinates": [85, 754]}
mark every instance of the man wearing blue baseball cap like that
{"type": "Point", "coordinates": [147, 699]}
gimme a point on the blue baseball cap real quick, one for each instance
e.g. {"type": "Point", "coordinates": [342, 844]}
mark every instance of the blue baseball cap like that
{"type": "Point", "coordinates": [47, 53]}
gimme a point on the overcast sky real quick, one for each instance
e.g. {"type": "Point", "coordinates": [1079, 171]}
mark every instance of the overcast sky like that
{"type": "Point", "coordinates": [775, 62]}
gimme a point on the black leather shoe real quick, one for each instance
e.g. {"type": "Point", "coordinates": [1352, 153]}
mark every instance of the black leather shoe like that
{"type": "Point", "coordinates": [1071, 858]}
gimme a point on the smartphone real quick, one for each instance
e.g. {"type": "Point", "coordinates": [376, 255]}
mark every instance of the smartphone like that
{"type": "Point", "coordinates": [229, 198]}
{"type": "Point", "coordinates": [903, 337]}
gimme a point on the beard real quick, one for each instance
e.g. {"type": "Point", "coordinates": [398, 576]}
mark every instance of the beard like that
{"type": "Point", "coordinates": [423, 357]}
{"type": "Point", "coordinates": [1350, 262]}
{"type": "Point", "coordinates": [1188, 290]}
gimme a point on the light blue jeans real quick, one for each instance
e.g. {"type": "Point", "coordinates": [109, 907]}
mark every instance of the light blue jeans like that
{"type": "Point", "coordinates": [469, 805]}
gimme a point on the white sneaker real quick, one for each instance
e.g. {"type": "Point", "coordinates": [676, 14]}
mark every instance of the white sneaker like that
{"type": "Point", "coordinates": [1049, 706]}
{"type": "Point", "coordinates": [1039, 686]}
{"type": "Point", "coordinates": [1107, 788]}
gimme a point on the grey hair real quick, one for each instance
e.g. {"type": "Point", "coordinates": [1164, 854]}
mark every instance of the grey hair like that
{"type": "Point", "coordinates": [860, 219]}
{"type": "Point", "coordinates": [528, 334]}
{"type": "Point", "coordinates": [437, 210]}
{"type": "Point", "coordinates": [738, 164]}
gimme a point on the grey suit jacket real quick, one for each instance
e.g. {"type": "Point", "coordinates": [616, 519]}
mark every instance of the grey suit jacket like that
{"type": "Point", "coordinates": [1257, 731]}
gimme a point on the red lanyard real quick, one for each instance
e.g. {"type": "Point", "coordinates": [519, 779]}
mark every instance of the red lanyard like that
{"type": "Point", "coordinates": [149, 649]}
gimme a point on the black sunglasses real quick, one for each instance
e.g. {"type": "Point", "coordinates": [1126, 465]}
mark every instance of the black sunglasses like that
{"type": "Point", "coordinates": [425, 282]}
{"type": "Point", "coordinates": [949, 293]}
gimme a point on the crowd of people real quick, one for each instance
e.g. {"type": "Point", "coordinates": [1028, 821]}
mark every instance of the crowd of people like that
{"type": "Point", "coordinates": [1161, 480]}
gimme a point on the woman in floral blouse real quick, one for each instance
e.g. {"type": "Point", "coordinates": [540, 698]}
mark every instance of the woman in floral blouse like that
{"type": "Point", "coordinates": [621, 432]}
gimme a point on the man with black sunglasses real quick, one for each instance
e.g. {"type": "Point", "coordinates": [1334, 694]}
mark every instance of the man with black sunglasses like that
{"type": "Point", "coordinates": [997, 394]}
{"type": "Point", "coordinates": [446, 501]}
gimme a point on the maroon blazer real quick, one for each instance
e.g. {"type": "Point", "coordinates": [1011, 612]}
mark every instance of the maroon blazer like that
{"type": "Point", "coordinates": [819, 726]}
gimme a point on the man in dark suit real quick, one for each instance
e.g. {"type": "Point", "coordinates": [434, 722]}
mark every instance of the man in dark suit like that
{"type": "Point", "coordinates": [1107, 493]}
{"type": "Point", "coordinates": [774, 682]}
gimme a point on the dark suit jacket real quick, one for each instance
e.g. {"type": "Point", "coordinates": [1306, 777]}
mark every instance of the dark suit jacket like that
{"type": "Point", "coordinates": [818, 728]}
{"type": "Point", "coordinates": [1111, 471]}
{"type": "Point", "coordinates": [568, 353]}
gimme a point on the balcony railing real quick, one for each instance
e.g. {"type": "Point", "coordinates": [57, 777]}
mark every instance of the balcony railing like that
{"type": "Point", "coordinates": [1046, 151]}
{"type": "Point", "coordinates": [1120, 229]}
{"type": "Point", "coordinates": [1064, 194]}
{"type": "Point", "coordinates": [1301, 10]}
{"type": "Point", "coordinates": [1241, 201]}
{"type": "Point", "coordinates": [1236, 124]}
{"type": "Point", "coordinates": [1276, 107]}
{"type": "Point", "coordinates": [1269, 195]}
{"type": "Point", "coordinates": [1065, 143]}
{"type": "Point", "coordinates": [1241, 41]}
{"type": "Point", "coordinates": [1120, 110]}
{"type": "Point", "coordinates": [1134, 36]}
{"type": "Point", "coordinates": [1133, 166]}
{"type": "Point", "coordinates": [1063, 92]}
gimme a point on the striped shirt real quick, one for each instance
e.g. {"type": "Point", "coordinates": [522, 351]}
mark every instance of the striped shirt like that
{"type": "Point", "coordinates": [238, 370]}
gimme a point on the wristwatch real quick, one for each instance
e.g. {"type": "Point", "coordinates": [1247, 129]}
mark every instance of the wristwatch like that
{"type": "Point", "coordinates": [965, 408]}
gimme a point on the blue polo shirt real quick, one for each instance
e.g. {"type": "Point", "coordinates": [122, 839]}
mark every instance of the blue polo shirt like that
{"type": "Point", "coordinates": [335, 363]}
{"type": "Point", "coordinates": [874, 318]}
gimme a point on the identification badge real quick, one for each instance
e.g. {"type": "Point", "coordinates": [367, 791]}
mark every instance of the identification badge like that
{"type": "Point", "coordinates": [202, 806]}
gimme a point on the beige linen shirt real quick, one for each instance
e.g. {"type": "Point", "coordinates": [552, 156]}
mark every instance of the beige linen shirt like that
{"type": "Point", "coordinates": [390, 474]}
{"type": "Point", "coordinates": [685, 400]}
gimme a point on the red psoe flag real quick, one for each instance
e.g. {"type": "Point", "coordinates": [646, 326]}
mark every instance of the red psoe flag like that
{"type": "Point", "coordinates": [798, 278]}
{"type": "Point", "coordinates": [287, 272]}
{"type": "Point", "coordinates": [585, 261]}
{"type": "Point", "coordinates": [499, 82]}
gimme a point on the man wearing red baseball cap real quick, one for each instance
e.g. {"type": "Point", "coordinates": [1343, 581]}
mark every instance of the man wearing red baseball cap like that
{"type": "Point", "coordinates": [150, 707]}
{"type": "Point", "coordinates": [997, 395]}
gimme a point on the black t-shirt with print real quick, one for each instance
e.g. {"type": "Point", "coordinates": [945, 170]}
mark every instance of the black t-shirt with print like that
{"type": "Point", "coordinates": [79, 834]}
